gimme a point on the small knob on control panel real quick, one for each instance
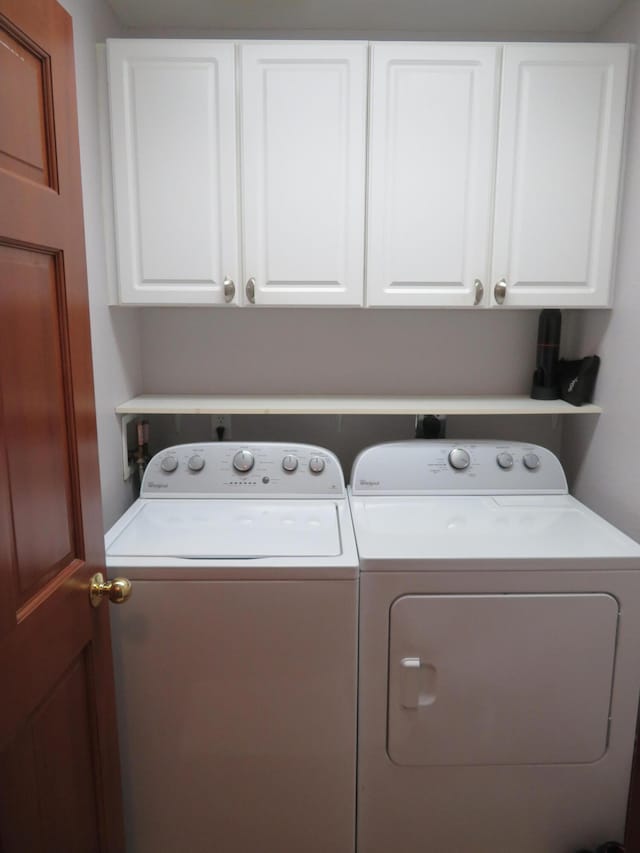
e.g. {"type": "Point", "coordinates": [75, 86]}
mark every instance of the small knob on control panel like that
{"type": "Point", "coordinates": [531, 461]}
{"type": "Point", "coordinates": [243, 461]}
{"type": "Point", "coordinates": [505, 460]}
{"type": "Point", "coordinates": [169, 464]}
{"type": "Point", "coordinates": [459, 459]}
{"type": "Point", "coordinates": [196, 462]}
{"type": "Point", "coordinates": [290, 463]}
{"type": "Point", "coordinates": [316, 465]}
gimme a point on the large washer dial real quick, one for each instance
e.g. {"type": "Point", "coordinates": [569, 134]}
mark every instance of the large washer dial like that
{"type": "Point", "coordinates": [243, 461]}
{"type": "Point", "coordinates": [531, 461]}
{"type": "Point", "coordinates": [169, 464]}
{"type": "Point", "coordinates": [459, 458]}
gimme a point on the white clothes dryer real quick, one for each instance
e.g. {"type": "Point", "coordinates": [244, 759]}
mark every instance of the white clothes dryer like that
{"type": "Point", "coordinates": [235, 657]}
{"type": "Point", "coordinates": [499, 653]}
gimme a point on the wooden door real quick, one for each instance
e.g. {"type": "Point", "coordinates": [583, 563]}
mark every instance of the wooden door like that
{"type": "Point", "coordinates": [59, 775]}
{"type": "Point", "coordinates": [173, 146]}
{"type": "Point", "coordinates": [303, 128]}
{"type": "Point", "coordinates": [433, 129]}
{"type": "Point", "coordinates": [561, 126]}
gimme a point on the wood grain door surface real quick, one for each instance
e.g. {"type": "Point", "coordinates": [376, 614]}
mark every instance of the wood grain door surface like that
{"type": "Point", "coordinates": [59, 774]}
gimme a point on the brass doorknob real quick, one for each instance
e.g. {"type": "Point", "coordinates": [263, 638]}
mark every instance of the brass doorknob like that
{"type": "Point", "coordinates": [118, 590]}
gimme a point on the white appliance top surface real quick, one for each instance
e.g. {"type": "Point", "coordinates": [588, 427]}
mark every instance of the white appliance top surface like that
{"type": "Point", "coordinates": [472, 500]}
{"type": "Point", "coordinates": [218, 529]}
{"type": "Point", "coordinates": [231, 511]}
{"type": "Point", "coordinates": [400, 529]}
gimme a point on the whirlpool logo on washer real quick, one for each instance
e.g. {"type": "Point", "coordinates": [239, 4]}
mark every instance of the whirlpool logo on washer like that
{"type": "Point", "coordinates": [370, 483]}
{"type": "Point", "coordinates": [152, 485]}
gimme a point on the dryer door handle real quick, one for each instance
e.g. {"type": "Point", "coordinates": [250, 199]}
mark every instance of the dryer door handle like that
{"type": "Point", "coordinates": [417, 684]}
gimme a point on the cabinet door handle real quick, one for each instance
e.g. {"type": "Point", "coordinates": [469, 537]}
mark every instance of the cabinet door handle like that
{"type": "Point", "coordinates": [229, 289]}
{"type": "Point", "coordinates": [251, 291]}
{"type": "Point", "coordinates": [479, 291]}
{"type": "Point", "coordinates": [500, 291]}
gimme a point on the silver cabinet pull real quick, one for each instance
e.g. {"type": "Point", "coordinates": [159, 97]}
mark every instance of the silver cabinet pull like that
{"type": "Point", "coordinates": [500, 291]}
{"type": "Point", "coordinates": [479, 291]}
{"type": "Point", "coordinates": [229, 289]}
{"type": "Point", "coordinates": [251, 291]}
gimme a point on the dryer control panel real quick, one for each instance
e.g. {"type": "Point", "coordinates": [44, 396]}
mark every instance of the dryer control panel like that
{"type": "Point", "coordinates": [222, 469]}
{"type": "Point", "coordinates": [433, 467]}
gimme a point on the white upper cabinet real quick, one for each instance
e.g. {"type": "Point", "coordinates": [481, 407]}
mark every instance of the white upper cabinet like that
{"type": "Point", "coordinates": [173, 142]}
{"type": "Point", "coordinates": [559, 157]}
{"type": "Point", "coordinates": [303, 145]}
{"type": "Point", "coordinates": [433, 130]}
{"type": "Point", "coordinates": [492, 180]}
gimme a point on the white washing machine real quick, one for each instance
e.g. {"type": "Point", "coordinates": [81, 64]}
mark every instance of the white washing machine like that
{"type": "Point", "coordinates": [499, 653]}
{"type": "Point", "coordinates": [235, 657]}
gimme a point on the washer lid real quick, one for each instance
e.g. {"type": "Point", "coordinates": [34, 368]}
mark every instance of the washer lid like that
{"type": "Point", "coordinates": [400, 529]}
{"type": "Point", "coordinates": [212, 529]}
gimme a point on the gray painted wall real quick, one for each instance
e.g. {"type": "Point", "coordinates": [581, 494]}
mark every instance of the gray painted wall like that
{"type": "Point", "coordinates": [114, 331]}
{"type": "Point", "coordinates": [602, 455]}
{"type": "Point", "coordinates": [340, 351]}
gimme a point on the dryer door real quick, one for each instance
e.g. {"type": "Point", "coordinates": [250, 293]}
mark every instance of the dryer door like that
{"type": "Point", "coordinates": [500, 679]}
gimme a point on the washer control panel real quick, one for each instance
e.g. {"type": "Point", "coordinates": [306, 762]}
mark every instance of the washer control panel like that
{"type": "Point", "coordinates": [222, 469]}
{"type": "Point", "coordinates": [431, 467]}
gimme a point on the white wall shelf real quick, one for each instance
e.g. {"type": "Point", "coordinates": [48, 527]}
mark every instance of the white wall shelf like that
{"type": "Point", "coordinates": [165, 404]}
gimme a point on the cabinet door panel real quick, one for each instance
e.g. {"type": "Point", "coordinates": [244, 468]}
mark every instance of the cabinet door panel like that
{"type": "Point", "coordinates": [174, 165]}
{"type": "Point", "coordinates": [431, 167]}
{"type": "Point", "coordinates": [559, 154]}
{"type": "Point", "coordinates": [303, 150]}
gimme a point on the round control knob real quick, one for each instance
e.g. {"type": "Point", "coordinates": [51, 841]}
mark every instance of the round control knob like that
{"type": "Point", "coordinates": [531, 461]}
{"type": "Point", "coordinates": [316, 465]}
{"type": "Point", "coordinates": [290, 463]}
{"type": "Point", "coordinates": [196, 463]}
{"type": "Point", "coordinates": [459, 459]}
{"type": "Point", "coordinates": [505, 460]}
{"type": "Point", "coordinates": [243, 461]}
{"type": "Point", "coordinates": [169, 464]}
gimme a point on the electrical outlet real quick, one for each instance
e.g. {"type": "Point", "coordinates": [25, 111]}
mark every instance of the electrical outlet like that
{"type": "Point", "coordinates": [220, 422]}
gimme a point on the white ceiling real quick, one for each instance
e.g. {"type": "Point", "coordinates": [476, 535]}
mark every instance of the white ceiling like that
{"type": "Point", "coordinates": [434, 16]}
